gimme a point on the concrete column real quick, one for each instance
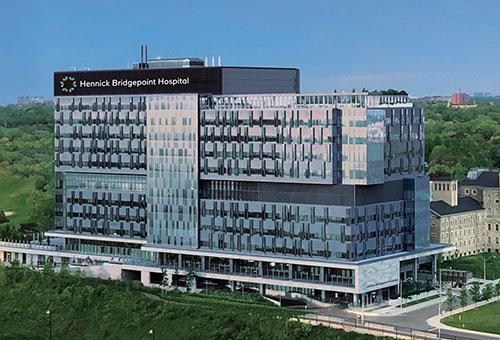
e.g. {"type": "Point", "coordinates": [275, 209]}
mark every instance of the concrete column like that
{"type": "Point", "coordinates": [322, 274]}
{"type": "Point", "coordinates": [193, 285]}
{"type": "Point", "coordinates": [203, 263]}
{"type": "Point", "coordinates": [145, 278]}
{"type": "Point", "coordinates": [290, 271]}
{"type": "Point", "coordinates": [232, 285]}
{"type": "Point", "coordinates": [261, 268]}
{"type": "Point", "coordinates": [359, 300]}
{"type": "Point", "coordinates": [434, 268]}
{"type": "Point", "coordinates": [415, 270]}
{"type": "Point", "coordinates": [179, 260]}
{"type": "Point", "coordinates": [231, 265]}
{"type": "Point", "coordinates": [323, 295]}
{"type": "Point", "coordinates": [262, 289]}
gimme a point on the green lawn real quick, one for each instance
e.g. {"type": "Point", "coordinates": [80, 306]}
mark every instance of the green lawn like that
{"type": "Point", "coordinates": [13, 194]}
{"type": "Point", "coordinates": [484, 319]}
{"type": "Point", "coordinates": [86, 308]}
{"type": "Point", "coordinates": [475, 264]}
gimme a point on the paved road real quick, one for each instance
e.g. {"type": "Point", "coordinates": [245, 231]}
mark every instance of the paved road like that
{"type": "Point", "coordinates": [416, 319]}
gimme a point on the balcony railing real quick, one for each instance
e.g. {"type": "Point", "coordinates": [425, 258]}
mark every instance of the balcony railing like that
{"type": "Point", "coordinates": [27, 245]}
{"type": "Point", "coordinates": [217, 268]}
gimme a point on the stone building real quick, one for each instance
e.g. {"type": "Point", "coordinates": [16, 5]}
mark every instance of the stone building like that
{"type": "Point", "coordinates": [484, 186]}
{"type": "Point", "coordinates": [459, 221]}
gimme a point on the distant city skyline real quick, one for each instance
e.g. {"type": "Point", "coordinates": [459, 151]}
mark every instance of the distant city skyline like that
{"type": "Point", "coordinates": [424, 47]}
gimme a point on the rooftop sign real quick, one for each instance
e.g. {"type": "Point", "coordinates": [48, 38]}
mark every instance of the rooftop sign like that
{"type": "Point", "coordinates": [138, 81]}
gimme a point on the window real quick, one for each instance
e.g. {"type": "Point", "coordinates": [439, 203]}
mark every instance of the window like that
{"type": "Point", "coordinates": [466, 191]}
{"type": "Point", "coordinates": [474, 191]}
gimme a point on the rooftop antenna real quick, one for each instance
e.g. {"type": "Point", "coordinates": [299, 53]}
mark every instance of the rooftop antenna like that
{"type": "Point", "coordinates": [206, 61]}
{"type": "Point", "coordinates": [220, 61]}
{"type": "Point", "coordinates": [142, 56]}
{"type": "Point", "coordinates": [213, 61]}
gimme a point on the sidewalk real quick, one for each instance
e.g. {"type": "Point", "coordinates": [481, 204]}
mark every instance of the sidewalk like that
{"type": "Point", "coordinates": [397, 310]}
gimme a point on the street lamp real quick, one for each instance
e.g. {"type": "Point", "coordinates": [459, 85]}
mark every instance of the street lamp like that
{"type": "Point", "coordinates": [49, 314]}
{"type": "Point", "coordinates": [152, 333]}
{"type": "Point", "coordinates": [484, 266]}
{"type": "Point", "coordinates": [439, 314]}
{"type": "Point", "coordinates": [363, 288]}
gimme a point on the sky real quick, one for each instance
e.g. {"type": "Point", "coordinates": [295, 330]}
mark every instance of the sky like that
{"type": "Point", "coordinates": [426, 47]}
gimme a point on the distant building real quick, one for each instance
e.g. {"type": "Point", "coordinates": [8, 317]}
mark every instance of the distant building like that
{"type": "Point", "coordinates": [484, 186]}
{"type": "Point", "coordinates": [30, 100]}
{"type": "Point", "coordinates": [482, 94]}
{"type": "Point", "coordinates": [459, 221]}
{"type": "Point", "coordinates": [459, 98]}
{"type": "Point", "coordinates": [433, 99]}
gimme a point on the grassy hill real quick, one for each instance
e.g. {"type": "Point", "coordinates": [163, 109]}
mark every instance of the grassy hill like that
{"type": "Point", "coordinates": [26, 170]}
{"type": "Point", "coordinates": [86, 308]}
{"type": "Point", "coordinates": [14, 193]}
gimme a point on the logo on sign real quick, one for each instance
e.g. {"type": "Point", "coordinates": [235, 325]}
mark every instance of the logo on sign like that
{"type": "Point", "coordinates": [68, 84]}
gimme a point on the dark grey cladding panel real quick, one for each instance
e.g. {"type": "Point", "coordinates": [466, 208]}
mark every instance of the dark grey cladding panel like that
{"type": "Point", "coordinates": [389, 191]}
{"type": "Point", "coordinates": [306, 193]}
{"type": "Point", "coordinates": [245, 80]}
{"type": "Point", "coordinates": [343, 195]}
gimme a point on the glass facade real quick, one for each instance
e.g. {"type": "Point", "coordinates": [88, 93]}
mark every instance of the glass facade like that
{"type": "Point", "coordinates": [298, 143]}
{"type": "Point", "coordinates": [172, 180]}
{"type": "Point", "coordinates": [100, 163]}
{"type": "Point", "coordinates": [417, 192]}
{"type": "Point", "coordinates": [288, 176]}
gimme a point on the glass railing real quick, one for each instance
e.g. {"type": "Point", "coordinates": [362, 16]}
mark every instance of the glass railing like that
{"type": "Point", "coordinates": [27, 245]}
{"type": "Point", "coordinates": [216, 269]}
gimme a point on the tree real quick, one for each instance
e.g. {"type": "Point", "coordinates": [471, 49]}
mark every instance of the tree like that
{"type": "Point", "coordinates": [47, 268]}
{"type": "Point", "coordinates": [175, 276]}
{"type": "Point", "coordinates": [463, 297]}
{"type": "Point", "coordinates": [487, 291]}
{"type": "Point", "coordinates": [458, 139]}
{"type": "Point", "coordinates": [10, 232]}
{"type": "Point", "coordinates": [450, 300]}
{"type": "Point", "coordinates": [475, 292]}
{"type": "Point", "coordinates": [3, 217]}
{"type": "Point", "coordinates": [497, 289]}
{"type": "Point", "coordinates": [190, 277]}
{"type": "Point", "coordinates": [41, 209]}
{"type": "Point", "coordinates": [164, 280]}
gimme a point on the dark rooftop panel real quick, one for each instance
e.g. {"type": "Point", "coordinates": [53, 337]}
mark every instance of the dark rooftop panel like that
{"type": "Point", "coordinates": [487, 179]}
{"type": "Point", "coordinates": [465, 204]}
